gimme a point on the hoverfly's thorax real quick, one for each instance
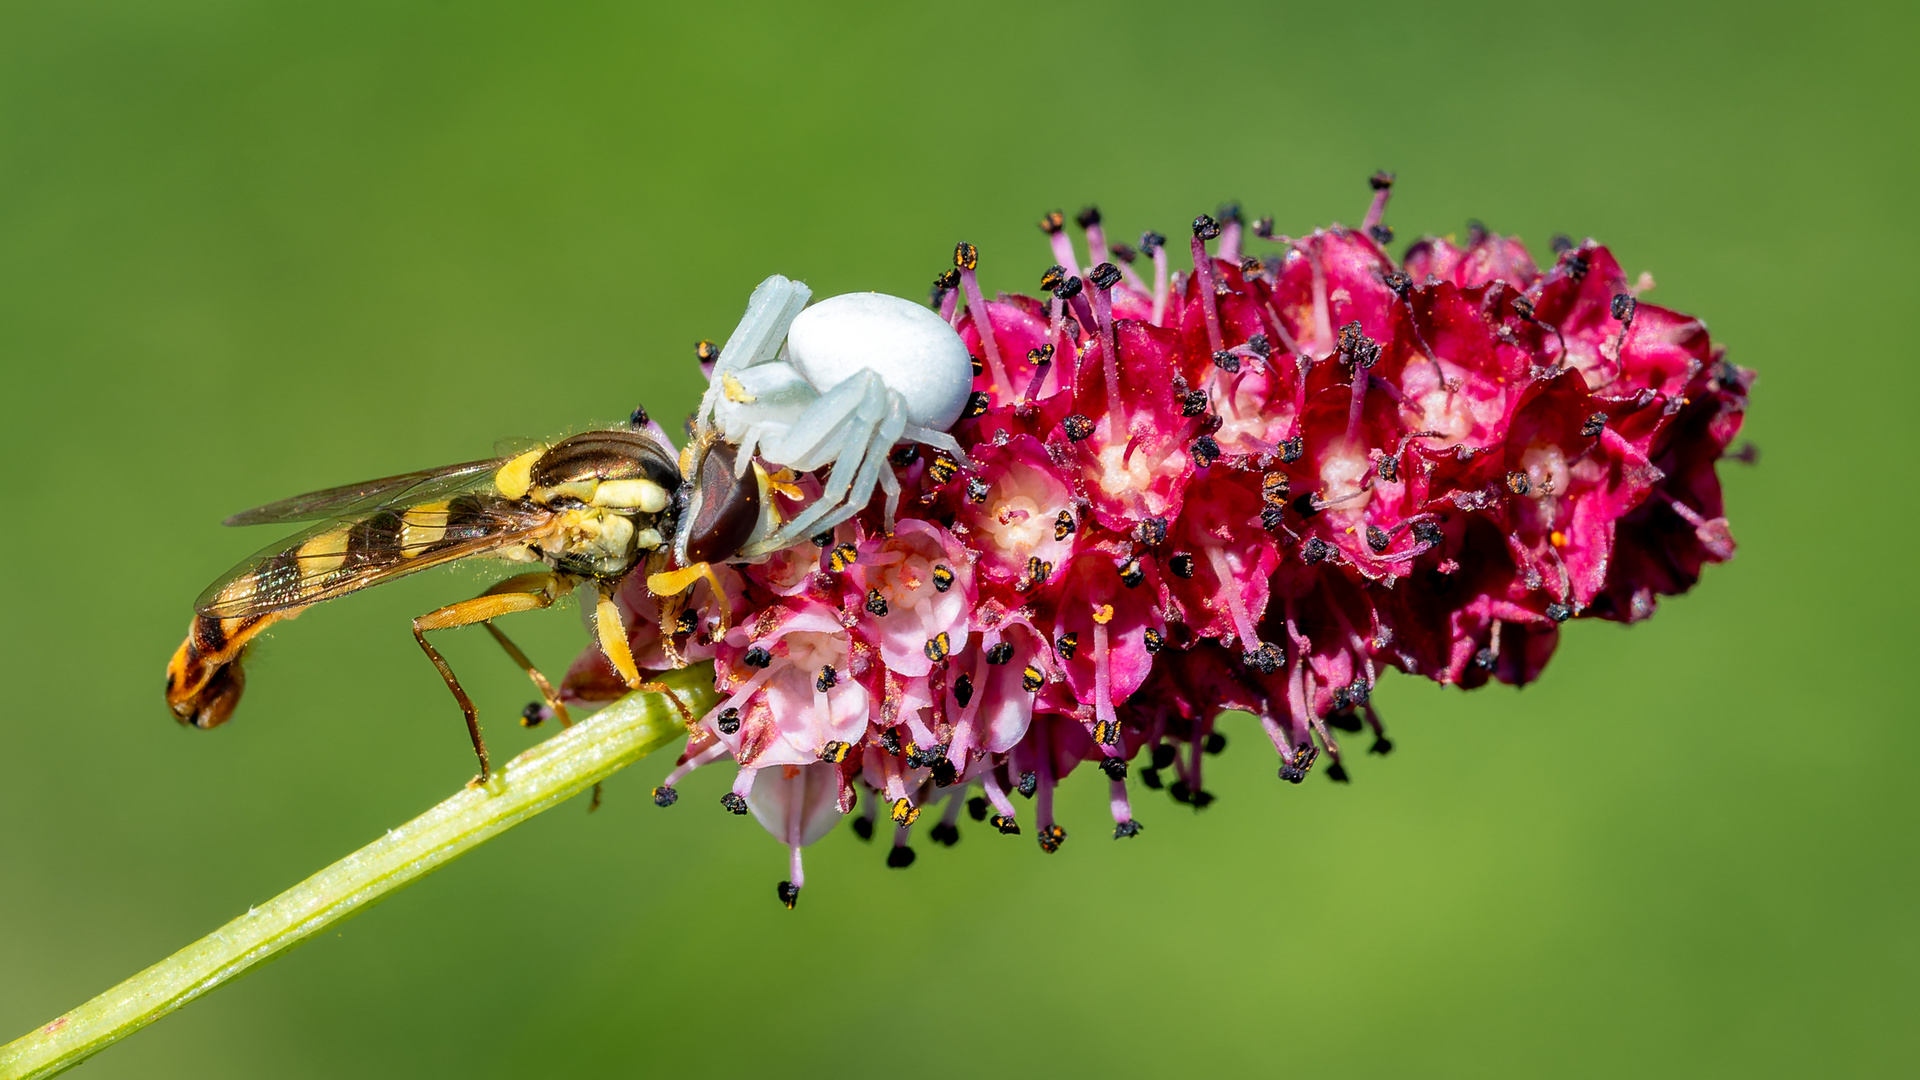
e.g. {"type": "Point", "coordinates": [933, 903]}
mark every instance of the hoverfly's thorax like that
{"type": "Point", "coordinates": [598, 543]}
{"type": "Point", "coordinates": [597, 457]}
{"type": "Point", "coordinates": [614, 491]}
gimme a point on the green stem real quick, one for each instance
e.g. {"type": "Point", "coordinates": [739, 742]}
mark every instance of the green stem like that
{"type": "Point", "coordinates": [556, 770]}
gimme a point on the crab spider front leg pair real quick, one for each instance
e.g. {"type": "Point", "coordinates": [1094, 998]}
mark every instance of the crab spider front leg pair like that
{"type": "Point", "coordinates": [832, 386]}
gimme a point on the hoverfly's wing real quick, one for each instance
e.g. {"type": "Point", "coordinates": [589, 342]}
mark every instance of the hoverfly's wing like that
{"type": "Point", "coordinates": [354, 500]}
{"type": "Point", "coordinates": [346, 555]}
{"type": "Point", "coordinates": [512, 446]}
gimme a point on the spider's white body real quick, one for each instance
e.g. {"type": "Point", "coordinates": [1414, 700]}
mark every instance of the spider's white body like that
{"type": "Point", "coordinates": [859, 373]}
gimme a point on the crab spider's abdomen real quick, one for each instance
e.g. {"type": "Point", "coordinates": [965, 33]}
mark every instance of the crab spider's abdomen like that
{"type": "Point", "coordinates": [911, 348]}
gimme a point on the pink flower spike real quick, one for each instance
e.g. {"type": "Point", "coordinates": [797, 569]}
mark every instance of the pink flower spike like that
{"type": "Point", "coordinates": [1279, 479]}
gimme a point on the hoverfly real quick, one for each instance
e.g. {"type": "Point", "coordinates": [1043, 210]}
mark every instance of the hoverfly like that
{"type": "Point", "coordinates": [590, 509]}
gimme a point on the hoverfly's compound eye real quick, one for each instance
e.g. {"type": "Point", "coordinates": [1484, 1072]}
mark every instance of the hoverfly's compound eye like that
{"type": "Point", "coordinates": [725, 508]}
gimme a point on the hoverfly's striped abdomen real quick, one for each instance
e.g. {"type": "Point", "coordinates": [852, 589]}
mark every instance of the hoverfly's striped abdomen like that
{"type": "Point", "coordinates": [589, 506]}
{"type": "Point", "coordinates": [343, 557]}
{"type": "Point", "coordinates": [205, 680]}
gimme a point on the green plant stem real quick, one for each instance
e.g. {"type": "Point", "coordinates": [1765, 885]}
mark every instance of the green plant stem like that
{"type": "Point", "coordinates": [544, 776]}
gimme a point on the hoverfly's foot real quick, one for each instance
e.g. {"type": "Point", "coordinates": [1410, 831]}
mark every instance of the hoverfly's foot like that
{"type": "Point", "coordinates": [675, 582]}
{"type": "Point", "coordinates": [594, 803]}
{"type": "Point", "coordinates": [686, 714]}
{"type": "Point", "coordinates": [492, 782]}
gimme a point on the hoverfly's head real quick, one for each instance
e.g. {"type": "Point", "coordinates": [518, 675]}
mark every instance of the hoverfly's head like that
{"type": "Point", "coordinates": [721, 510]}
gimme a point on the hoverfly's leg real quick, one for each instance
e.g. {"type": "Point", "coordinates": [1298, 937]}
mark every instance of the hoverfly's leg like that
{"type": "Point", "coordinates": [546, 691]}
{"type": "Point", "coordinates": [466, 613]}
{"type": "Point", "coordinates": [675, 582]}
{"type": "Point", "coordinates": [540, 682]}
{"type": "Point", "coordinates": [679, 703]}
{"type": "Point", "coordinates": [540, 582]}
{"type": "Point", "coordinates": [611, 628]}
{"type": "Point", "coordinates": [671, 605]}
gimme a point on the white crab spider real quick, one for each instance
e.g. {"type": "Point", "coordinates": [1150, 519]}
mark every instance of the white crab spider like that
{"type": "Point", "coordinates": [859, 373]}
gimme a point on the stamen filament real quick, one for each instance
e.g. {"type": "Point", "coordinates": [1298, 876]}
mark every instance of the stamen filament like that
{"type": "Point", "coordinates": [1356, 404]}
{"type": "Point", "coordinates": [983, 322]}
{"type": "Point", "coordinates": [705, 757]}
{"type": "Point", "coordinates": [1063, 253]}
{"type": "Point", "coordinates": [1236, 604]}
{"type": "Point", "coordinates": [1103, 311]}
{"type": "Point", "coordinates": [1160, 285]}
{"type": "Point", "coordinates": [1203, 270]}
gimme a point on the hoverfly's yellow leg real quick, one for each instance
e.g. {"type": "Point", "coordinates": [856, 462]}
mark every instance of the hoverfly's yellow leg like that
{"type": "Point", "coordinates": [611, 629]}
{"type": "Point", "coordinates": [551, 585]}
{"type": "Point", "coordinates": [671, 605]}
{"type": "Point", "coordinates": [489, 605]}
{"type": "Point", "coordinates": [540, 682]}
{"type": "Point", "coordinates": [675, 582]}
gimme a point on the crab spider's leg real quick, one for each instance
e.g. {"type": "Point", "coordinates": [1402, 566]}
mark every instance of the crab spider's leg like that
{"type": "Point", "coordinates": [830, 506]}
{"type": "Point", "coordinates": [851, 445]}
{"type": "Point", "coordinates": [890, 485]}
{"type": "Point", "coordinates": [770, 311]}
{"type": "Point", "coordinates": [853, 422]}
{"type": "Point", "coordinates": [810, 440]}
{"type": "Point", "coordinates": [871, 452]}
{"type": "Point", "coordinates": [762, 332]}
{"type": "Point", "coordinates": [743, 458]}
{"type": "Point", "coordinates": [875, 465]}
{"type": "Point", "coordinates": [939, 440]}
{"type": "Point", "coordinates": [849, 450]}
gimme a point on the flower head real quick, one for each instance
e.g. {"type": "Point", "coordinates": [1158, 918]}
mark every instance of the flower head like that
{"type": "Point", "coordinates": [1251, 485]}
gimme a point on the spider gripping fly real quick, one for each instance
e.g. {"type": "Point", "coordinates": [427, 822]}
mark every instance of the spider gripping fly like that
{"type": "Point", "coordinates": [588, 510]}
{"type": "Point", "coordinates": [797, 389]}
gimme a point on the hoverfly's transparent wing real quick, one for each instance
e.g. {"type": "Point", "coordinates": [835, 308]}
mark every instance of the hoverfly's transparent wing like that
{"type": "Point", "coordinates": [770, 311]}
{"type": "Point", "coordinates": [367, 496]}
{"type": "Point", "coordinates": [512, 446]}
{"type": "Point", "coordinates": [346, 555]}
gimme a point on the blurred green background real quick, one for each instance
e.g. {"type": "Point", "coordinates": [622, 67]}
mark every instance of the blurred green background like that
{"type": "Point", "coordinates": [249, 250]}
